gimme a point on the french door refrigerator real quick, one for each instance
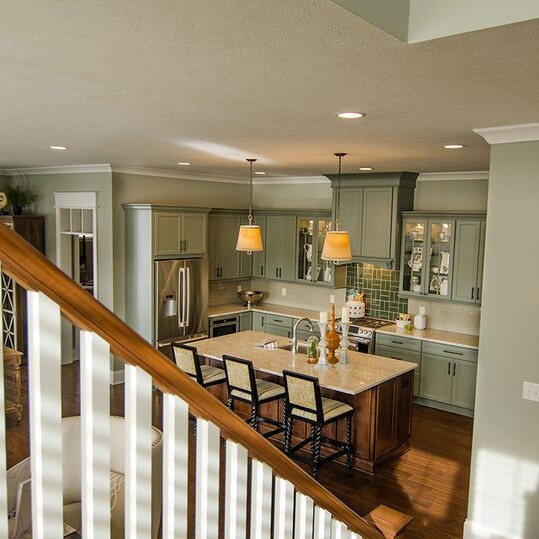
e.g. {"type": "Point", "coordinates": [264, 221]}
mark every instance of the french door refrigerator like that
{"type": "Point", "coordinates": [181, 300]}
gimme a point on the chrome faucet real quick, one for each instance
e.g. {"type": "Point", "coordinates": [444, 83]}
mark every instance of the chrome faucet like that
{"type": "Point", "coordinates": [295, 330]}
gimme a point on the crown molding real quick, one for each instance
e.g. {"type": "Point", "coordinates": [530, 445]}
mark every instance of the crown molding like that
{"type": "Point", "coordinates": [453, 176]}
{"type": "Point", "coordinates": [67, 169]}
{"type": "Point", "coordinates": [509, 133]}
{"type": "Point", "coordinates": [163, 173]}
{"type": "Point", "coordinates": [300, 180]}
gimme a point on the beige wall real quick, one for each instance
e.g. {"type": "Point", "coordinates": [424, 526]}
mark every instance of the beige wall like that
{"type": "Point", "coordinates": [315, 196]}
{"type": "Point", "coordinates": [504, 486]}
{"type": "Point", "coordinates": [455, 195]}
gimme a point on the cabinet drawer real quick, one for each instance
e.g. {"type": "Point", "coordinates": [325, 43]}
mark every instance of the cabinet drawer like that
{"type": "Point", "coordinates": [276, 320]}
{"type": "Point", "coordinates": [282, 331]}
{"type": "Point", "coordinates": [396, 341]}
{"type": "Point", "coordinates": [450, 351]}
{"type": "Point", "coordinates": [398, 353]}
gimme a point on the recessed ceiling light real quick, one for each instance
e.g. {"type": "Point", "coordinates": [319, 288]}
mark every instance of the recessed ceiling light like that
{"type": "Point", "coordinates": [260, 172]}
{"type": "Point", "coordinates": [184, 164]}
{"type": "Point", "coordinates": [365, 169]}
{"type": "Point", "coordinates": [454, 146]}
{"type": "Point", "coordinates": [58, 147]}
{"type": "Point", "coordinates": [350, 115]}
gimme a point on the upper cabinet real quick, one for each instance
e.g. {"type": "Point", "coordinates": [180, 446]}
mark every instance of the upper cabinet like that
{"type": "Point", "coordinates": [280, 244]}
{"type": "Point", "coordinates": [310, 268]}
{"type": "Point", "coordinates": [180, 232]}
{"type": "Point", "coordinates": [370, 207]}
{"type": "Point", "coordinates": [225, 262]}
{"type": "Point", "coordinates": [442, 256]}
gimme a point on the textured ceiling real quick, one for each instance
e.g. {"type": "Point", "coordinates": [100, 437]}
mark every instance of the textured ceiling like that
{"type": "Point", "coordinates": [150, 83]}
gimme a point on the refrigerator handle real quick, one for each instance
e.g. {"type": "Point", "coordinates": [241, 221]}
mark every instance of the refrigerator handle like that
{"type": "Point", "coordinates": [181, 296]}
{"type": "Point", "coordinates": [187, 301]}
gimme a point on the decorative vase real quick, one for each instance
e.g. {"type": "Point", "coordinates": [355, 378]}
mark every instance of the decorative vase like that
{"type": "Point", "coordinates": [332, 339]}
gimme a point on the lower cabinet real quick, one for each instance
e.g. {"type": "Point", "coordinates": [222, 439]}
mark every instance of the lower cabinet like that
{"type": "Point", "coordinates": [246, 321]}
{"type": "Point", "coordinates": [448, 375]}
{"type": "Point", "coordinates": [445, 376]}
{"type": "Point", "coordinates": [259, 322]}
{"type": "Point", "coordinates": [279, 325]}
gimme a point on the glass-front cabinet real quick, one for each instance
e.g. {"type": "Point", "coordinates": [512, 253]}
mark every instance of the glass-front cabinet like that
{"type": "Point", "coordinates": [427, 257]}
{"type": "Point", "coordinates": [311, 233]}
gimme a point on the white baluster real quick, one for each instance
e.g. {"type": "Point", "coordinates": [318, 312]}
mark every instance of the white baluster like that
{"type": "Point", "coordinates": [175, 466]}
{"type": "Point", "coordinates": [237, 467]}
{"type": "Point", "coordinates": [338, 530]}
{"type": "Point", "coordinates": [261, 494]}
{"type": "Point", "coordinates": [95, 438]}
{"type": "Point", "coordinates": [207, 481]}
{"type": "Point", "coordinates": [304, 517]}
{"type": "Point", "coordinates": [3, 489]}
{"type": "Point", "coordinates": [343, 350]}
{"type": "Point", "coordinates": [322, 346]}
{"type": "Point", "coordinates": [44, 352]}
{"type": "Point", "coordinates": [283, 509]}
{"type": "Point", "coordinates": [322, 524]}
{"type": "Point", "coordinates": [138, 453]}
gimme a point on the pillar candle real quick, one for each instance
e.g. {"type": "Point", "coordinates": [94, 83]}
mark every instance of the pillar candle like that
{"type": "Point", "coordinates": [345, 315]}
{"type": "Point", "coordinates": [323, 317]}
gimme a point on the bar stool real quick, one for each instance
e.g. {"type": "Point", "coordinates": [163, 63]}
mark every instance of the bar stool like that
{"type": "Point", "coordinates": [187, 360]}
{"type": "Point", "coordinates": [243, 386]}
{"type": "Point", "coordinates": [305, 403]}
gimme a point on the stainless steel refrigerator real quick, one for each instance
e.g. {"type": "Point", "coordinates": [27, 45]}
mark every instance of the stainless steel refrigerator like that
{"type": "Point", "coordinates": [181, 300]}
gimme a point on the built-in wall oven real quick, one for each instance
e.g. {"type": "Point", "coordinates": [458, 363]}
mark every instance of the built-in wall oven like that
{"type": "Point", "coordinates": [224, 325]}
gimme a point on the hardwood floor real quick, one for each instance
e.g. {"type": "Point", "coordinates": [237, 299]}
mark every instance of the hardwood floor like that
{"type": "Point", "coordinates": [429, 482]}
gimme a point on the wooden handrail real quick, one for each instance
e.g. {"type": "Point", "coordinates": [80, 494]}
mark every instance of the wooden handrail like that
{"type": "Point", "coordinates": [33, 271]}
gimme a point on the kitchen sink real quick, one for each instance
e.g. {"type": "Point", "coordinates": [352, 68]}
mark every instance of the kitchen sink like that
{"type": "Point", "coordinates": [302, 347]}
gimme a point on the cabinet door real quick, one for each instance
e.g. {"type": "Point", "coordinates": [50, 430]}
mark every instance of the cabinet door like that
{"type": "Point", "coordinates": [194, 233]}
{"type": "Point", "coordinates": [273, 247]}
{"type": "Point", "coordinates": [258, 322]}
{"type": "Point", "coordinates": [436, 378]}
{"type": "Point", "coordinates": [278, 330]}
{"type": "Point", "coordinates": [229, 260]}
{"type": "Point", "coordinates": [167, 233]}
{"type": "Point", "coordinates": [439, 259]}
{"type": "Point", "coordinates": [306, 249]}
{"type": "Point", "coordinates": [377, 222]}
{"type": "Point", "coordinates": [213, 243]}
{"type": "Point", "coordinates": [288, 248]}
{"type": "Point", "coordinates": [259, 257]}
{"type": "Point", "coordinates": [413, 265]}
{"type": "Point", "coordinates": [466, 268]}
{"type": "Point", "coordinates": [464, 380]}
{"type": "Point", "coordinates": [246, 321]}
{"type": "Point", "coordinates": [351, 216]}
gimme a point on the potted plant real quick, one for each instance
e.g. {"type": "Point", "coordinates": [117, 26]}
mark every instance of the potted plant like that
{"type": "Point", "coordinates": [19, 197]}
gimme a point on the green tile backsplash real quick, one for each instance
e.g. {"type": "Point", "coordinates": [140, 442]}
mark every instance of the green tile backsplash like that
{"type": "Point", "coordinates": [381, 289]}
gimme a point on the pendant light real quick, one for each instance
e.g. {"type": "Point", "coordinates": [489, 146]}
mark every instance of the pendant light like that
{"type": "Point", "coordinates": [249, 237]}
{"type": "Point", "coordinates": [337, 242]}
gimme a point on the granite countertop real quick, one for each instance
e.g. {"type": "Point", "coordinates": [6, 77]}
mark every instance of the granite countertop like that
{"type": "Point", "coordinates": [434, 335]}
{"type": "Point", "coordinates": [362, 372]}
{"type": "Point", "coordinates": [234, 308]}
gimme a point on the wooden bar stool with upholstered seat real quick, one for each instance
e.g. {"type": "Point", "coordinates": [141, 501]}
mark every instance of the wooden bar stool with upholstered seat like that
{"type": "Point", "coordinates": [245, 387]}
{"type": "Point", "coordinates": [187, 360]}
{"type": "Point", "coordinates": [305, 403]}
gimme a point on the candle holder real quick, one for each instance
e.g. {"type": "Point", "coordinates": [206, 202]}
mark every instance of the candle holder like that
{"type": "Point", "coordinates": [322, 344]}
{"type": "Point", "coordinates": [332, 339]}
{"type": "Point", "coordinates": [343, 350]}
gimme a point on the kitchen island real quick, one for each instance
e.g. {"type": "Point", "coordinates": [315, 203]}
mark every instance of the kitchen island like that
{"type": "Point", "coordinates": [378, 388]}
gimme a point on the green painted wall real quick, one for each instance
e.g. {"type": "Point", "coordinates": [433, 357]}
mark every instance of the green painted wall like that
{"type": "Point", "coordinates": [504, 486]}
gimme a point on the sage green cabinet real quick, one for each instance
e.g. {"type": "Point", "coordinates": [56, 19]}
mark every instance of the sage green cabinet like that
{"type": "Point", "coordinates": [468, 267]}
{"type": "Point", "coordinates": [370, 208]}
{"type": "Point", "coordinates": [246, 321]}
{"type": "Point", "coordinates": [179, 233]}
{"type": "Point", "coordinates": [259, 322]}
{"type": "Point", "coordinates": [448, 375]}
{"type": "Point", "coordinates": [280, 247]}
{"type": "Point", "coordinates": [224, 261]}
{"type": "Point", "coordinates": [259, 257]}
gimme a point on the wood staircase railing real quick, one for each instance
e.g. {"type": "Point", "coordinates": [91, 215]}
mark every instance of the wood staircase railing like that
{"type": "Point", "coordinates": [282, 495]}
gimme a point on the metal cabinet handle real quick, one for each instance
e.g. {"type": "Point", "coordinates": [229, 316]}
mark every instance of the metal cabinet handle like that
{"type": "Point", "coordinates": [396, 342]}
{"type": "Point", "coordinates": [280, 272]}
{"type": "Point", "coordinates": [453, 352]}
{"type": "Point", "coordinates": [217, 272]}
{"type": "Point", "coordinates": [473, 291]}
{"type": "Point", "coordinates": [185, 245]}
{"type": "Point", "coordinates": [454, 368]}
{"type": "Point", "coordinates": [276, 272]}
{"type": "Point", "coordinates": [477, 294]}
{"type": "Point", "coordinates": [449, 368]}
{"type": "Point", "coordinates": [261, 270]}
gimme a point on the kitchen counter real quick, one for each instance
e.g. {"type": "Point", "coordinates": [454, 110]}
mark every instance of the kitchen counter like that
{"type": "Point", "coordinates": [378, 388]}
{"type": "Point", "coordinates": [362, 372]}
{"type": "Point", "coordinates": [434, 335]}
{"type": "Point", "coordinates": [235, 308]}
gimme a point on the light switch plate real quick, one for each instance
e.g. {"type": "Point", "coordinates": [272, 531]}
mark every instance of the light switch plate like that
{"type": "Point", "coordinates": [239, 288]}
{"type": "Point", "coordinates": [530, 391]}
{"type": "Point", "coordinates": [283, 291]}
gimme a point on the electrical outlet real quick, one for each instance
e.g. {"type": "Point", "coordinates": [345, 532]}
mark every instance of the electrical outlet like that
{"type": "Point", "coordinates": [283, 291]}
{"type": "Point", "coordinates": [332, 298]}
{"type": "Point", "coordinates": [239, 288]}
{"type": "Point", "coordinates": [530, 391]}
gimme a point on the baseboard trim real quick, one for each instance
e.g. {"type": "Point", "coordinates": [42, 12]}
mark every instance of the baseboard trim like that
{"type": "Point", "coordinates": [117, 377]}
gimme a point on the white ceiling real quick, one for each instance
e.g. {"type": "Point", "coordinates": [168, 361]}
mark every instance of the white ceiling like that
{"type": "Point", "coordinates": [149, 83]}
